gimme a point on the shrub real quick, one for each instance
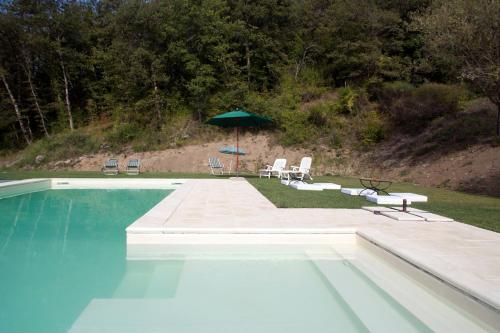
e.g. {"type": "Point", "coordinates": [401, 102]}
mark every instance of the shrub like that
{"type": "Point", "coordinates": [387, 93]}
{"type": "Point", "coordinates": [373, 130]}
{"type": "Point", "coordinates": [61, 146]}
{"type": "Point", "coordinates": [414, 110]}
{"type": "Point", "coordinates": [346, 103]}
{"type": "Point", "coordinates": [319, 114]}
{"type": "Point", "coordinates": [123, 133]}
{"type": "Point", "coordinates": [296, 128]}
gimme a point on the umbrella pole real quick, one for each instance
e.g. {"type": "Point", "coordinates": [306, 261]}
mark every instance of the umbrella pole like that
{"type": "Point", "coordinates": [237, 150]}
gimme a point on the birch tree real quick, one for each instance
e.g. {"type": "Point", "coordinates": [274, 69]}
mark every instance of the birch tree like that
{"type": "Point", "coordinates": [19, 118]}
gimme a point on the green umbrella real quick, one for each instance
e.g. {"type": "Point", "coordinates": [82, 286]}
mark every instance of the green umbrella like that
{"type": "Point", "coordinates": [238, 118]}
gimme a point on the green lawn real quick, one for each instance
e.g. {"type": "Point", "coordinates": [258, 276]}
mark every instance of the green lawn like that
{"type": "Point", "coordinates": [481, 211]}
{"type": "Point", "coordinates": [476, 210]}
{"type": "Point", "coordinates": [16, 174]}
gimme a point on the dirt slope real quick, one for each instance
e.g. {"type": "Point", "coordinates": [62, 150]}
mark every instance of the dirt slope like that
{"type": "Point", "coordinates": [475, 169]}
{"type": "Point", "coordinates": [260, 150]}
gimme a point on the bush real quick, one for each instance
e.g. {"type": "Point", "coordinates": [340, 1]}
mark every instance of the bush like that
{"type": "Point", "coordinates": [123, 133]}
{"type": "Point", "coordinates": [415, 109]}
{"type": "Point", "coordinates": [320, 114]}
{"type": "Point", "coordinates": [60, 147]}
{"type": "Point", "coordinates": [373, 130]}
{"type": "Point", "coordinates": [465, 129]}
{"type": "Point", "coordinates": [346, 103]}
{"type": "Point", "coordinates": [296, 128]}
{"type": "Point", "coordinates": [387, 93]}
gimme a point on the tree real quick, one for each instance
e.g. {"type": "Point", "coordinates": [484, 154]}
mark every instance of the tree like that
{"type": "Point", "coordinates": [24, 128]}
{"type": "Point", "coordinates": [468, 33]}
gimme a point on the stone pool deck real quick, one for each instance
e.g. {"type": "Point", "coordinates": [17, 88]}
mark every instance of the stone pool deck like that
{"type": "Point", "coordinates": [461, 255]}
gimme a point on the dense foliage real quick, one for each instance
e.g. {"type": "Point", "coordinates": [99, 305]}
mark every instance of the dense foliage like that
{"type": "Point", "coordinates": [151, 65]}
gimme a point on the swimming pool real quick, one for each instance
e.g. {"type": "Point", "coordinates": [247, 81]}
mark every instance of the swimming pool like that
{"type": "Point", "coordinates": [64, 266]}
{"type": "Point", "coordinates": [59, 249]}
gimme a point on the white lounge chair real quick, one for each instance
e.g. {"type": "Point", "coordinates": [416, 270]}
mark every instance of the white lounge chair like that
{"type": "Point", "coordinates": [110, 167]}
{"type": "Point", "coordinates": [275, 169]}
{"type": "Point", "coordinates": [133, 167]}
{"type": "Point", "coordinates": [216, 167]}
{"type": "Point", "coordinates": [301, 172]}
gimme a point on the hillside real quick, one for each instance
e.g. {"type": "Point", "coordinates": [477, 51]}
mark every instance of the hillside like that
{"type": "Point", "coordinates": [467, 159]}
{"type": "Point", "coordinates": [366, 87]}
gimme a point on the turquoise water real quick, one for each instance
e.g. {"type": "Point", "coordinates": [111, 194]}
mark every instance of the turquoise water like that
{"type": "Point", "coordinates": [59, 249]}
{"type": "Point", "coordinates": [64, 266]}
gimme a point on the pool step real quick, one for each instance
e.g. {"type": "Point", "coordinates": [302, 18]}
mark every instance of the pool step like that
{"type": "Point", "coordinates": [374, 308]}
{"type": "Point", "coordinates": [150, 280]}
{"type": "Point", "coordinates": [164, 280]}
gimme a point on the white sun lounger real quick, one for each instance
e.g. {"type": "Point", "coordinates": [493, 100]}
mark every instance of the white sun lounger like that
{"type": "Point", "coordinates": [386, 199]}
{"type": "Point", "coordinates": [411, 196]}
{"type": "Point", "coordinates": [357, 191]}
{"type": "Point", "coordinates": [299, 172]}
{"type": "Point", "coordinates": [276, 169]}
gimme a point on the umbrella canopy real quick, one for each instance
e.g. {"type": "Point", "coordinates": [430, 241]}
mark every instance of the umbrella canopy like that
{"type": "Point", "coordinates": [232, 150]}
{"type": "Point", "coordinates": [238, 118]}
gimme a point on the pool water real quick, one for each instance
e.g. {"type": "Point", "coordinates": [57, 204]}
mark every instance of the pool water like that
{"type": "Point", "coordinates": [59, 249]}
{"type": "Point", "coordinates": [65, 266]}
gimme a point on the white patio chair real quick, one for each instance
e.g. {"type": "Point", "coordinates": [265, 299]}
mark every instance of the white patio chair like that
{"type": "Point", "coordinates": [301, 172]}
{"type": "Point", "coordinates": [275, 169]}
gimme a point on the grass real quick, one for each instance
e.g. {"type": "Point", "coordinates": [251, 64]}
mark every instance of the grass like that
{"type": "Point", "coordinates": [480, 211]}
{"type": "Point", "coordinates": [16, 174]}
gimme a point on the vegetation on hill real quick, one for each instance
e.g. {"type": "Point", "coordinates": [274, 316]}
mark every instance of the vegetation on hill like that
{"type": "Point", "coordinates": [149, 73]}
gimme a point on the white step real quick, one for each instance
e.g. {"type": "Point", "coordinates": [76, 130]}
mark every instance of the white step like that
{"type": "Point", "coordinates": [374, 308]}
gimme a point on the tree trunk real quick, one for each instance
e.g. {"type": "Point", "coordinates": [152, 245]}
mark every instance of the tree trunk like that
{"type": "Point", "coordinates": [27, 65]}
{"type": "Point", "coordinates": [39, 110]}
{"type": "Point", "coordinates": [66, 91]}
{"type": "Point", "coordinates": [301, 63]}
{"type": "Point", "coordinates": [18, 113]}
{"type": "Point", "coordinates": [29, 128]}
